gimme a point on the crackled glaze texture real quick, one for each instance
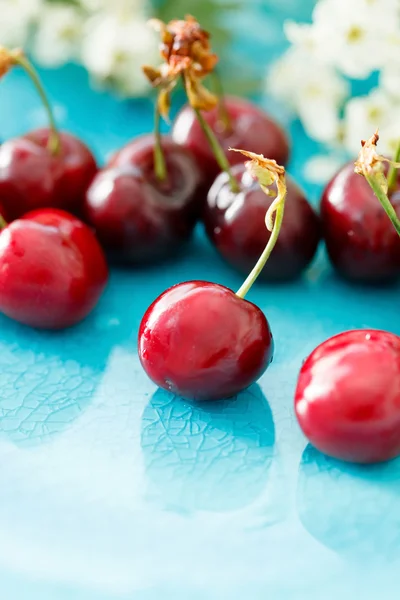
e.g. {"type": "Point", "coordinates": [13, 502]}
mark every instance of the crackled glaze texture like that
{"type": "Point", "coordinates": [114, 490]}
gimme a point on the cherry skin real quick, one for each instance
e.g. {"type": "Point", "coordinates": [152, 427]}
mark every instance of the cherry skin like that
{"type": "Point", "coordinates": [250, 128]}
{"type": "Point", "coordinates": [361, 241]}
{"type": "Point", "coordinates": [52, 270]}
{"type": "Point", "coordinates": [235, 224]}
{"type": "Point", "coordinates": [201, 341]}
{"type": "Point", "coordinates": [347, 399]}
{"type": "Point", "coordinates": [139, 219]}
{"type": "Point", "coordinates": [31, 177]}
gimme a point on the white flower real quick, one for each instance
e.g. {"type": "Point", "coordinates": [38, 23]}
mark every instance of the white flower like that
{"type": "Point", "coordinates": [355, 36]}
{"type": "Point", "coordinates": [389, 79]}
{"type": "Point", "coordinates": [58, 34]}
{"type": "Point", "coordinates": [16, 19]}
{"type": "Point", "coordinates": [322, 167]}
{"type": "Point", "coordinates": [366, 114]}
{"type": "Point", "coordinates": [115, 47]}
{"type": "Point", "coordinates": [128, 6]}
{"type": "Point", "coordinates": [315, 92]}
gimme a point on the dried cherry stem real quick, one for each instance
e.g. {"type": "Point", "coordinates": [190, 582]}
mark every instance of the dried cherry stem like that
{"type": "Point", "coordinates": [54, 143]}
{"type": "Point", "coordinates": [267, 172]}
{"type": "Point", "coordinates": [160, 166]}
{"type": "Point", "coordinates": [392, 175]}
{"type": "Point", "coordinates": [370, 165]}
{"type": "Point", "coordinates": [218, 151]}
{"type": "Point", "coordinates": [223, 115]}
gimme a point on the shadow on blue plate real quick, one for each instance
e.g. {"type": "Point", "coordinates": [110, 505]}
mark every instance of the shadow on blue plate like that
{"type": "Point", "coordinates": [48, 379]}
{"type": "Point", "coordinates": [352, 509]}
{"type": "Point", "coordinates": [209, 456]}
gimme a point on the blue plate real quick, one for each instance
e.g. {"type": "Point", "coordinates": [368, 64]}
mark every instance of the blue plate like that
{"type": "Point", "coordinates": [112, 489]}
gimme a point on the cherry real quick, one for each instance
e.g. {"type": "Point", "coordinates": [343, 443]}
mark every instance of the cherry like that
{"type": "Point", "coordinates": [44, 168]}
{"type": "Point", "coordinates": [52, 270]}
{"type": "Point", "coordinates": [347, 399]}
{"type": "Point", "coordinates": [138, 217]}
{"type": "Point", "coordinates": [361, 241]}
{"type": "Point", "coordinates": [248, 127]}
{"type": "Point", "coordinates": [201, 341]}
{"type": "Point", "coordinates": [235, 224]}
{"type": "Point", "coordinates": [33, 177]}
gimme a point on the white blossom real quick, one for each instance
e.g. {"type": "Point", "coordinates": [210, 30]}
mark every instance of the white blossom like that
{"type": "Point", "coordinates": [363, 115]}
{"type": "Point", "coordinates": [389, 79]}
{"type": "Point", "coordinates": [315, 92]}
{"type": "Point", "coordinates": [58, 34]}
{"type": "Point", "coordinates": [16, 19]}
{"type": "Point", "coordinates": [355, 36]}
{"type": "Point", "coordinates": [322, 167]}
{"type": "Point", "coordinates": [115, 45]}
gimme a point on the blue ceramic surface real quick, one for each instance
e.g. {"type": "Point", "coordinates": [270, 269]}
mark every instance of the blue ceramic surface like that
{"type": "Point", "coordinates": [112, 489]}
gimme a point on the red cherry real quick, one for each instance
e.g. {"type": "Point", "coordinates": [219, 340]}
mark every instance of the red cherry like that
{"type": "Point", "coordinates": [52, 270]}
{"type": "Point", "coordinates": [203, 342]}
{"type": "Point", "coordinates": [348, 396]}
{"type": "Point", "coordinates": [32, 177]}
{"type": "Point", "coordinates": [250, 128]}
{"type": "Point", "coordinates": [235, 223]}
{"type": "Point", "coordinates": [138, 218]}
{"type": "Point", "coordinates": [361, 241]}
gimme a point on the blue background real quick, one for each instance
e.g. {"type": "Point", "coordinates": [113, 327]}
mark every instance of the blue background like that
{"type": "Point", "coordinates": [111, 489]}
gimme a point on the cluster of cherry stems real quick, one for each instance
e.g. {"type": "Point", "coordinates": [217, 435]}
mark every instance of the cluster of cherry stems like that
{"type": "Point", "coordinates": [200, 339]}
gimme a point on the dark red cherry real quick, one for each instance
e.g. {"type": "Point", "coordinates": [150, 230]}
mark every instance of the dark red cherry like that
{"type": "Point", "coordinates": [52, 270]}
{"type": "Point", "coordinates": [32, 177]}
{"type": "Point", "coordinates": [347, 399]}
{"type": "Point", "coordinates": [203, 342]}
{"type": "Point", "coordinates": [235, 223]}
{"type": "Point", "coordinates": [361, 241]}
{"type": "Point", "coordinates": [250, 128]}
{"type": "Point", "coordinates": [138, 218]}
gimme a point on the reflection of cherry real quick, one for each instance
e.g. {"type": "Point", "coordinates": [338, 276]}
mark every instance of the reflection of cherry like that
{"type": "Point", "coordinates": [348, 396]}
{"type": "Point", "coordinates": [137, 217]}
{"type": "Point", "coordinates": [351, 509]}
{"type": "Point", "coordinates": [249, 127]}
{"type": "Point", "coordinates": [361, 241]}
{"type": "Point", "coordinates": [52, 270]}
{"type": "Point", "coordinates": [235, 223]}
{"type": "Point", "coordinates": [213, 457]}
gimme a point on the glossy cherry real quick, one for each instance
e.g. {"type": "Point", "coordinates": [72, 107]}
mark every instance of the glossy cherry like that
{"type": "Point", "coordinates": [138, 218]}
{"type": "Point", "coordinates": [235, 223]}
{"type": "Point", "coordinates": [32, 177]}
{"type": "Point", "coordinates": [250, 127]}
{"type": "Point", "coordinates": [347, 399]}
{"type": "Point", "coordinates": [203, 342]}
{"type": "Point", "coordinates": [52, 270]}
{"type": "Point", "coordinates": [361, 241]}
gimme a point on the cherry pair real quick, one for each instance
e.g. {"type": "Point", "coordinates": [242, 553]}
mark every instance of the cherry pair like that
{"type": "Point", "coordinates": [52, 269]}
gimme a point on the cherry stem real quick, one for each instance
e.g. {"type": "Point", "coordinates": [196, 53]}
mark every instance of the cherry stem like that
{"type": "Point", "coordinates": [54, 143]}
{"type": "Point", "coordinates": [383, 199]}
{"type": "Point", "coordinates": [160, 166]}
{"type": "Point", "coordinates": [223, 114]}
{"type": "Point", "coordinates": [392, 175]}
{"type": "Point", "coordinates": [3, 223]}
{"type": "Point", "coordinates": [218, 151]}
{"type": "Point", "coordinates": [260, 264]}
